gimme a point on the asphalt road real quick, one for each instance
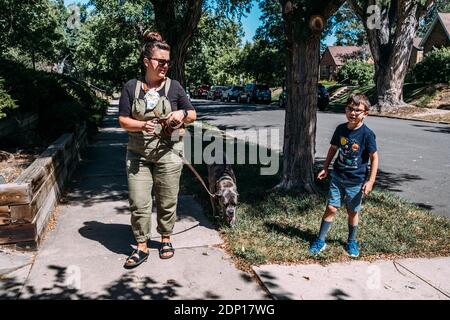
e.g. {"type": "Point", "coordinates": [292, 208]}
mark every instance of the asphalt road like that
{"type": "Point", "coordinates": [414, 155]}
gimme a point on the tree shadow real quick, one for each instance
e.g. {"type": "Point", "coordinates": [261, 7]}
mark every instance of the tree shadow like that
{"type": "Point", "coordinates": [434, 129]}
{"type": "Point", "coordinates": [269, 281]}
{"type": "Point", "coordinates": [64, 286]}
{"type": "Point", "coordinates": [390, 181]}
{"type": "Point", "coordinates": [338, 294]}
{"type": "Point", "coordinates": [306, 236]}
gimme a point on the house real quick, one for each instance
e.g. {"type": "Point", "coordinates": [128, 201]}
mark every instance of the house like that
{"type": "Point", "coordinates": [438, 35]}
{"type": "Point", "coordinates": [334, 57]}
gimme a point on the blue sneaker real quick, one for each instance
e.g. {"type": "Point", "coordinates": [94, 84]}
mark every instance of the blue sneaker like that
{"type": "Point", "coordinates": [352, 249]}
{"type": "Point", "coordinates": [317, 246]}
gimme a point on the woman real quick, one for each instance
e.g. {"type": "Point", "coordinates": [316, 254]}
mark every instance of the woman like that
{"type": "Point", "coordinates": [147, 105]}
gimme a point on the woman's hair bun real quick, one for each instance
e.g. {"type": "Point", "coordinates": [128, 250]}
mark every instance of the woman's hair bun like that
{"type": "Point", "coordinates": [152, 37]}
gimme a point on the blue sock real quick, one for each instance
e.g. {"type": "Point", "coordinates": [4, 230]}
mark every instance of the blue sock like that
{"type": "Point", "coordinates": [352, 232]}
{"type": "Point", "coordinates": [324, 228]}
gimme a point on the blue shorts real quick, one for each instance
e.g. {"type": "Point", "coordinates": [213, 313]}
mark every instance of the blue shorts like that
{"type": "Point", "coordinates": [341, 190]}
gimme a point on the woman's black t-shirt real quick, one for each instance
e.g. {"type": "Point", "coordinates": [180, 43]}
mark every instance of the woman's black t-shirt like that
{"type": "Point", "coordinates": [176, 95]}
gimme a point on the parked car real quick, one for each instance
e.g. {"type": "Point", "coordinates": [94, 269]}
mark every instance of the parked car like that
{"type": "Point", "coordinates": [256, 93]}
{"type": "Point", "coordinates": [232, 93]}
{"type": "Point", "coordinates": [323, 98]}
{"type": "Point", "coordinates": [215, 92]}
{"type": "Point", "coordinates": [201, 91]}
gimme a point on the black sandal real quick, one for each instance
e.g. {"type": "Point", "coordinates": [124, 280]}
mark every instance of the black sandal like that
{"type": "Point", "coordinates": [137, 260]}
{"type": "Point", "coordinates": [169, 249]}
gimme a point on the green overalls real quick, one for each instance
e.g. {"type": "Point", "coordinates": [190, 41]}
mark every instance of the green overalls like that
{"type": "Point", "coordinates": [151, 164]}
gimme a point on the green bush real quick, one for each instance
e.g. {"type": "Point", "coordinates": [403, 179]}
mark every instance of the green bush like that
{"type": "Point", "coordinates": [60, 102]}
{"type": "Point", "coordinates": [6, 102]}
{"type": "Point", "coordinates": [355, 72]}
{"type": "Point", "coordinates": [434, 68]}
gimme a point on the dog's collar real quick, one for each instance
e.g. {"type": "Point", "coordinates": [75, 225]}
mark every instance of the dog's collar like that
{"type": "Point", "coordinates": [224, 177]}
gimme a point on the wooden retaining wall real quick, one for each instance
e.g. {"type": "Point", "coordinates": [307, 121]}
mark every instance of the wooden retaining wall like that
{"type": "Point", "coordinates": [26, 205]}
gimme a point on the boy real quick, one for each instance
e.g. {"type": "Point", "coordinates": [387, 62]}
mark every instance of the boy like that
{"type": "Point", "coordinates": [356, 144]}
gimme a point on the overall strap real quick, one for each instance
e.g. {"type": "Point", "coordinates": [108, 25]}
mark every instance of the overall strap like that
{"type": "Point", "coordinates": [137, 90]}
{"type": "Point", "coordinates": [167, 87]}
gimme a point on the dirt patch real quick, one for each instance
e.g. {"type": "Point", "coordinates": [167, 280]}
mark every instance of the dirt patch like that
{"type": "Point", "coordinates": [434, 97]}
{"type": "Point", "coordinates": [412, 112]}
{"type": "Point", "coordinates": [13, 163]}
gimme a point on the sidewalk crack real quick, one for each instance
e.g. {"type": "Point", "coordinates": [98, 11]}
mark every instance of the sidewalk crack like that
{"type": "Point", "coordinates": [421, 278]}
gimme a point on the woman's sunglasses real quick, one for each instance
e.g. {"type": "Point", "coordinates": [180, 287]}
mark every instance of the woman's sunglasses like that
{"type": "Point", "coordinates": [162, 62]}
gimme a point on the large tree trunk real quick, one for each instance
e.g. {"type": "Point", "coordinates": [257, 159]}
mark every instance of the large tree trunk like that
{"type": "Point", "coordinates": [302, 71]}
{"type": "Point", "coordinates": [177, 24]}
{"type": "Point", "coordinates": [391, 46]}
{"type": "Point", "coordinates": [301, 116]}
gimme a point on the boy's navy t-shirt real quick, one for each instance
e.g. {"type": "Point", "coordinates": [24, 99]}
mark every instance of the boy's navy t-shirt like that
{"type": "Point", "coordinates": [354, 147]}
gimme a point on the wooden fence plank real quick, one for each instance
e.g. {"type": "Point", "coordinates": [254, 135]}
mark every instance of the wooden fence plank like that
{"type": "Point", "coordinates": [45, 211]}
{"type": "Point", "coordinates": [26, 213]}
{"type": "Point", "coordinates": [4, 210]}
{"type": "Point", "coordinates": [14, 233]}
{"type": "Point", "coordinates": [14, 194]}
{"type": "Point", "coordinates": [5, 215]}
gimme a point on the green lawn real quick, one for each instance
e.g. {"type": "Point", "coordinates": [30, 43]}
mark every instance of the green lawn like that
{"type": "Point", "coordinates": [274, 227]}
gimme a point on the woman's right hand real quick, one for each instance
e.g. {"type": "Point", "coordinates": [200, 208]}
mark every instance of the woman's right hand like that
{"type": "Point", "coordinates": [322, 174]}
{"type": "Point", "coordinates": [149, 126]}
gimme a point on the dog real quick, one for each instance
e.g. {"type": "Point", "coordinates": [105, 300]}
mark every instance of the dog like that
{"type": "Point", "coordinates": [222, 183]}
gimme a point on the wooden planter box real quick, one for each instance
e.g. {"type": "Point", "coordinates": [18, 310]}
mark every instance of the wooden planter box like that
{"type": "Point", "coordinates": [26, 205]}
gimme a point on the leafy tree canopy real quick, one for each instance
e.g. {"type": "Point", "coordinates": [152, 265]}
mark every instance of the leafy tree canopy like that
{"type": "Point", "coordinates": [108, 43]}
{"type": "Point", "coordinates": [214, 55]}
{"type": "Point", "coordinates": [32, 29]}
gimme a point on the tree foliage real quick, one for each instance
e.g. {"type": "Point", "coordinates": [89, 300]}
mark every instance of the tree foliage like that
{"type": "Point", "coordinates": [347, 28]}
{"type": "Point", "coordinates": [214, 54]}
{"type": "Point", "coordinates": [7, 103]}
{"type": "Point", "coordinates": [262, 62]}
{"type": "Point", "coordinates": [434, 68]}
{"type": "Point", "coordinates": [32, 28]}
{"type": "Point", "coordinates": [356, 72]}
{"type": "Point", "coordinates": [108, 43]}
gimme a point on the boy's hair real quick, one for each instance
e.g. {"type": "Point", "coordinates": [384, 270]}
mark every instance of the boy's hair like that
{"type": "Point", "coordinates": [357, 99]}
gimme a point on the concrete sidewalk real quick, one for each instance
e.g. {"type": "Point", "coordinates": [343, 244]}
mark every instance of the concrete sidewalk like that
{"type": "Point", "coordinates": [404, 279]}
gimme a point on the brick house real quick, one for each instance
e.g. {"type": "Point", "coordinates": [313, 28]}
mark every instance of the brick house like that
{"type": "Point", "coordinates": [438, 35]}
{"type": "Point", "coordinates": [334, 57]}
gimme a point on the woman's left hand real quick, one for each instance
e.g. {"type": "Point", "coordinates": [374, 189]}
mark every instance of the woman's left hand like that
{"type": "Point", "coordinates": [175, 116]}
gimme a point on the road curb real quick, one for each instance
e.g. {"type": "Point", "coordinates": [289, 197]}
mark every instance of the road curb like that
{"type": "Point", "coordinates": [410, 119]}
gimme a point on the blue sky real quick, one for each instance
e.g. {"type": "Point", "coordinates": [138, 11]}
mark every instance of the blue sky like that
{"type": "Point", "coordinates": [249, 23]}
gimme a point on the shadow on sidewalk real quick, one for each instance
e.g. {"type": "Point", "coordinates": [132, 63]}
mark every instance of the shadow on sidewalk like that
{"type": "Point", "coordinates": [115, 237]}
{"type": "Point", "coordinates": [65, 286]}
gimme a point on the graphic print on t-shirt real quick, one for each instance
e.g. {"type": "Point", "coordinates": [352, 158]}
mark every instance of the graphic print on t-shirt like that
{"type": "Point", "coordinates": [348, 153]}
